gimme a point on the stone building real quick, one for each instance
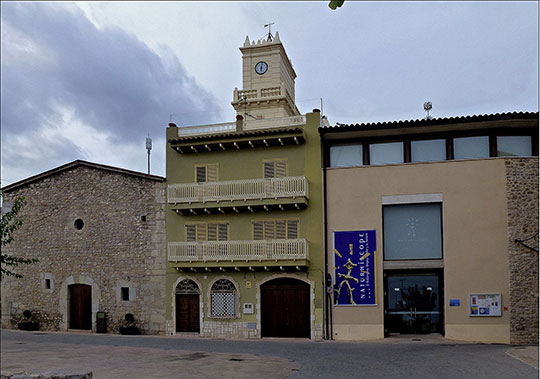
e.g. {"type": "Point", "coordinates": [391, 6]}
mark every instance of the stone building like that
{"type": "Point", "coordinates": [450, 207]}
{"type": "Point", "coordinates": [99, 234]}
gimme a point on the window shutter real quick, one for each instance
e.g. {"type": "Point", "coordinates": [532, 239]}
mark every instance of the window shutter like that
{"type": "Point", "coordinates": [212, 232]}
{"type": "Point", "coordinates": [212, 172]}
{"type": "Point", "coordinates": [201, 174]}
{"type": "Point", "coordinates": [269, 170]}
{"type": "Point", "coordinates": [190, 233]}
{"type": "Point", "coordinates": [258, 230]}
{"type": "Point", "coordinates": [281, 168]}
{"type": "Point", "coordinates": [269, 230]}
{"type": "Point", "coordinates": [281, 228]}
{"type": "Point", "coordinates": [201, 232]}
{"type": "Point", "coordinates": [292, 229]}
{"type": "Point", "coordinates": [223, 230]}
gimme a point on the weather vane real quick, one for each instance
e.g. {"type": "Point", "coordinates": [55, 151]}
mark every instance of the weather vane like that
{"type": "Point", "coordinates": [269, 26]}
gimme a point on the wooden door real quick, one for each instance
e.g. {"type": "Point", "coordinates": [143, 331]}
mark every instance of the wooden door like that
{"type": "Point", "coordinates": [285, 308]}
{"type": "Point", "coordinates": [80, 306]}
{"type": "Point", "coordinates": [187, 313]}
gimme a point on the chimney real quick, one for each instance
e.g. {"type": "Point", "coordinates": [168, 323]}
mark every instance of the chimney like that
{"type": "Point", "coordinates": [239, 122]}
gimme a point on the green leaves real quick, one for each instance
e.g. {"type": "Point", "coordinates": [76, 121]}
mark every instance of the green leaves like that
{"type": "Point", "coordinates": [8, 225]}
{"type": "Point", "coordinates": [334, 4]}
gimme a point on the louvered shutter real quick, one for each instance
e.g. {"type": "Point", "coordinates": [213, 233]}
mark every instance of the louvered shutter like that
{"type": "Point", "coordinates": [269, 171]}
{"type": "Point", "coordinates": [269, 230]}
{"type": "Point", "coordinates": [212, 172]}
{"type": "Point", "coordinates": [223, 232]}
{"type": "Point", "coordinates": [201, 174]}
{"type": "Point", "coordinates": [292, 229]}
{"type": "Point", "coordinates": [281, 168]}
{"type": "Point", "coordinates": [212, 232]}
{"type": "Point", "coordinates": [281, 229]}
{"type": "Point", "coordinates": [201, 232]}
{"type": "Point", "coordinates": [190, 233]}
{"type": "Point", "coordinates": [258, 230]}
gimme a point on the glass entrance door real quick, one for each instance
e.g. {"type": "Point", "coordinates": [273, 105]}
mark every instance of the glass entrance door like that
{"type": "Point", "coordinates": [413, 303]}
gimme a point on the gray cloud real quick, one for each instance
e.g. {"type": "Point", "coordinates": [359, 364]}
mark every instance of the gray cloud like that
{"type": "Point", "coordinates": [54, 58]}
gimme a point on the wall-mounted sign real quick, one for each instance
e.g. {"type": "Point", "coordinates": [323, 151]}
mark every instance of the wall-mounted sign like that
{"type": "Point", "coordinates": [454, 302]}
{"type": "Point", "coordinates": [485, 305]}
{"type": "Point", "coordinates": [355, 271]}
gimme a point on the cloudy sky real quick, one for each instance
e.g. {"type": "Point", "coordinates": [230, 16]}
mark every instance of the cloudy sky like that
{"type": "Point", "coordinates": [92, 80]}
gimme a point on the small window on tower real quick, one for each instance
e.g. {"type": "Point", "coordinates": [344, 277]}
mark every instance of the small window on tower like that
{"type": "Point", "coordinates": [48, 284]}
{"type": "Point", "coordinates": [125, 293]}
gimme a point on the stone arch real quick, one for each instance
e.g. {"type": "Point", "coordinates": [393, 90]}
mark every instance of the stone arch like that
{"type": "Point", "coordinates": [172, 330]}
{"type": "Point", "coordinates": [237, 295]}
{"type": "Point", "coordinates": [311, 284]}
{"type": "Point", "coordinates": [63, 301]}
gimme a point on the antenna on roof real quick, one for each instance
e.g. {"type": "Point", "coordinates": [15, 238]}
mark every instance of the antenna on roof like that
{"type": "Point", "coordinates": [269, 37]}
{"type": "Point", "coordinates": [427, 108]}
{"type": "Point", "coordinates": [148, 148]}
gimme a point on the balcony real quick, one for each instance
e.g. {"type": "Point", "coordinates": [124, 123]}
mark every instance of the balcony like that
{"type": "Point", "coordinates": [248, 254]}
{"type": "Point", "coordinates": [239, 195]}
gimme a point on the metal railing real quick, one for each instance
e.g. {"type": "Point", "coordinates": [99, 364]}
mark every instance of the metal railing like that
{"type": "Point", "coordinates": [251, 250]}
{"type": "Point", "coordinates": [249, 189]}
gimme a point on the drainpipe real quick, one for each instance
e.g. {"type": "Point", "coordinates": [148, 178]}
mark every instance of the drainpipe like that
{"type": "Point", "coordinates": [328, 303]}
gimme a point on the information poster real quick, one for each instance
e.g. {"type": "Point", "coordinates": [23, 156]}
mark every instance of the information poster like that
{"type": "Point", "coordinates": [355, 271]}
{"type": "Point", "coordinates": [485, 305]}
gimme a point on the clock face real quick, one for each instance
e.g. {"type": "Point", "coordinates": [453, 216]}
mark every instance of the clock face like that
{"type": "Point", "coordinates": [261, 68]}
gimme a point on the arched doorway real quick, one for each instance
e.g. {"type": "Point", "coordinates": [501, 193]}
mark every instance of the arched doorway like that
{"type": "Point", "coordinates": [80, 306]}
{"type": "Point", "coordinates": [285, 308]}
{"type": "Point", "coordinates": [187, 306]}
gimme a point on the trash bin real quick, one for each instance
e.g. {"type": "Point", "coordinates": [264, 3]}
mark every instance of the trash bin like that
{"type": "Point", "coordinates": [101, 327]}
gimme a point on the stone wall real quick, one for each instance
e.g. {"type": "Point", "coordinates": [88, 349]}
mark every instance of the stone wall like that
{"type": "Point", "coordinates": [121, 244]}
{"type": "Point", "coordinates": [522, 203]}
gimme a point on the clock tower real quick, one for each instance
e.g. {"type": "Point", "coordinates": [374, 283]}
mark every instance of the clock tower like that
{"type": "Point", "coordinates": [267, 79]}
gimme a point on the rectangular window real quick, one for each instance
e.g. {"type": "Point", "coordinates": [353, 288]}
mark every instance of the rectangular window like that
{"type": "Point", "coordinates": [275, 229]}
{"type": "Point", "coordinates": [48, 284]}
{"type": "Point", "coordinates": [124, 292]}
{"type": "Point", "coordinates": [202, 231]}
{"type": "Point", "coordinates": [428, 150]}
{"type": "Point", "coordinates": [275, 168]}
{"type": "Point", "coordinates": [412, 231]}
{"type": "Point", "coordinates": [385, 153]}
{"type": "Point", "coordinates": [206, 173]}
{"type": "Point", "coordinates": [471, 147]}
{"type": "Point", "coordinates": [223, 303]}
{"type": "Point", "coordinates": [346, 155]}
{"type": "Point", "coordinates": [510, 146]}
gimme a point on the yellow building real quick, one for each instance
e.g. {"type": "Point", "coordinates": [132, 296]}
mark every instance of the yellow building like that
{"type": "Point", "coordinates": [450, 207]}
{"type": "Point", "coordinates": [244, 211]}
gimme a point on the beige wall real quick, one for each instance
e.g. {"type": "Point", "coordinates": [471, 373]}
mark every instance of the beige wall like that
{"type": "Point", "coordinates": [474, 237]}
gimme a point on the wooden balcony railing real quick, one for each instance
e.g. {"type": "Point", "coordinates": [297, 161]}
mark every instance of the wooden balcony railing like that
{"type": "Point", "coordinates": [251, 250]}
{"type": "Point", "coordinates": [250, 189]}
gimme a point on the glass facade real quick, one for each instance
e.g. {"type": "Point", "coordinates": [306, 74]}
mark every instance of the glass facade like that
{"type": "Point", "coordinates": [346, 155]}
{"type": "Point", "coordinates": [510, 146]}
{"type": "Point", "coordinates": [412, 231]}
{"type": "Point", "coordinates": [386, 153]}
{"type": "Point", "coordinates": [471, 147]}
{"type": "Point", "coordinates": [428, 150]}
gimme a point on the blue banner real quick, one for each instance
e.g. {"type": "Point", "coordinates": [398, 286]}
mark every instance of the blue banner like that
{"type": "Point", "coordinates": [355, 257]}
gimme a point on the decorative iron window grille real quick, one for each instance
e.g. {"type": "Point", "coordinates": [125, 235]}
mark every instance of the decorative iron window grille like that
{"type": "Point", "coordinates": [187, 286]}
{"type": "Point", "coordinates": [223, 299]}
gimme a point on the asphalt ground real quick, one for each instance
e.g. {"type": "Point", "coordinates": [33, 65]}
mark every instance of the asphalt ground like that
{"type": "Point", "coordinates": [115, 356]}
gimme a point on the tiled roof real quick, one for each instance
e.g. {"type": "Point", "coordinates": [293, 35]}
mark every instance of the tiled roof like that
{"type": "Point", "coordinates": [243, 133]}
{"type": "Point", "coordinates": [76, 163]}
{"type": "Point", "coordinates": [433, 121]}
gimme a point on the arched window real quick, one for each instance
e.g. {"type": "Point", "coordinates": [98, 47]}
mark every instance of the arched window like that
{"type": "Point", "coordinates": [187, 286]}
{"type": "Point", "coordinates": [223, 299]}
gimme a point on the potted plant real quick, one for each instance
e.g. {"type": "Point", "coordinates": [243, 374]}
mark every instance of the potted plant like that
{"type": "Point", "coordinates": [129, 327]}
{"type": "Point", "coordinates": [27, 322]}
